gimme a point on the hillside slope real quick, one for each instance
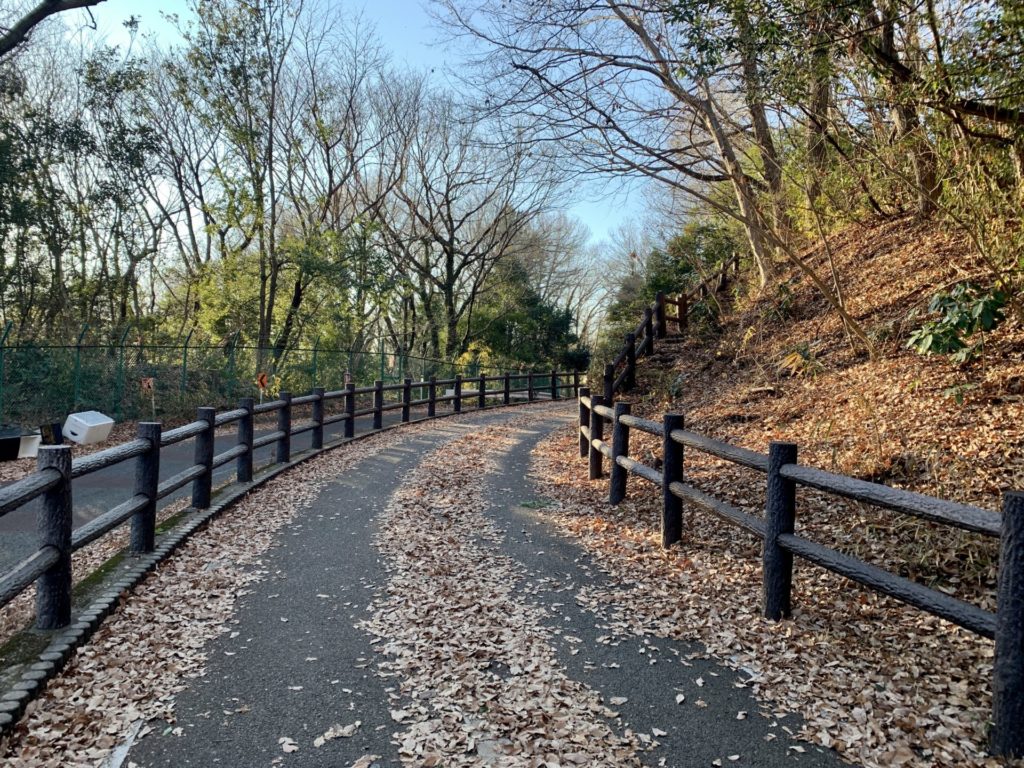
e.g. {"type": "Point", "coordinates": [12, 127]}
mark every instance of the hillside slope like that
{"type": "Point", "coordinates": [881, 683]}
{"type": "Point", "coordinates": [895, 419]}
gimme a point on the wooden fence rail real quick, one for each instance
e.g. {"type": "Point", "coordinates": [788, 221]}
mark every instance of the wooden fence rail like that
{"type": "Point", "coordinates": [781, 542]}
{"type": "Point", "coordinates": [49, 567]}
{"type": "Point", "coordinates": [654, 325]}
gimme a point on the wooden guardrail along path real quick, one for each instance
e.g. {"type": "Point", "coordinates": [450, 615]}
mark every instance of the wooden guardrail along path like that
{"type": "Point", "coordinates": [49, 567]}
{"type": "Point", "coordinates": [639, 343]}
{"type": "Point", "coordinates": [600, 414]}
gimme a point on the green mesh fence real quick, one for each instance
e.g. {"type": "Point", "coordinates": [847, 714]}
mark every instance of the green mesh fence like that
{"type": "Point", "coordinates": [41, 384]}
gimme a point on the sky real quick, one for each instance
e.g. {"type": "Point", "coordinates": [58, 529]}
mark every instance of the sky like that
{"type": "Point", "coordinates": [408, 32]}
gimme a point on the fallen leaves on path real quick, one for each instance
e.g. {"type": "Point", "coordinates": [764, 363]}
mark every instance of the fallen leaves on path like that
{"type": "Point", "coordinates": [154, 643]}
{"type": "Point", "coordinates": [881, 683]}
{"type": "Point", "coordinates": [479, 680]}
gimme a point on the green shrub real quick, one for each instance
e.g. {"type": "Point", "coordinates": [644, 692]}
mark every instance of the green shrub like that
{"type": "Point", "coordinates": [964, 311]}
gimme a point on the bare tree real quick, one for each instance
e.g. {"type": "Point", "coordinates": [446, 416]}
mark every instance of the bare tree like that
{"type": "Point", "coordinates": [459, 208]}
{"type": "Point", "coordinates": [18, 32]}
{"type": "Point", "coordinates": [612, 82]}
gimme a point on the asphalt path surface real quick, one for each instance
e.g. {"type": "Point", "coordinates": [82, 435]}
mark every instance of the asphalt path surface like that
{"type": "Point", "coordinates": [101, 491]}
{"type": "Point", "coordinates": [296, 664]}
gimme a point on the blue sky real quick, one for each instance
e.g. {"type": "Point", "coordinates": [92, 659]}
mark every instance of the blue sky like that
{"type": "Point", "coordinates": [407, 31]}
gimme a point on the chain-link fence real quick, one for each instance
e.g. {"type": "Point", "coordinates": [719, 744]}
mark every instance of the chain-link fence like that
{"type": "Point", "coordinates": [41, 384]}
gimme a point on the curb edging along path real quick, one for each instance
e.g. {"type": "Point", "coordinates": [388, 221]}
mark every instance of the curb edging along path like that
{"type": "Point", "coordinates": [63, 644]}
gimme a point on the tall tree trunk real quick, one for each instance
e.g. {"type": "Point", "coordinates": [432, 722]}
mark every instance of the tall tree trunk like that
{"type": "Point", "coordinates": [818, 106]}
{"type": "Point", "coordinates": [753, 223]}
{"type": "Point", "coordinates": [909, 131]}
{"type": "Point", "coordinates": [754, 98]}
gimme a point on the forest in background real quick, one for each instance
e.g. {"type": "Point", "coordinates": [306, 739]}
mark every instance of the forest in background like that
{"type": "Point", "coordinates": [275, 176]}
{"type": "Point", "coordinates": [275, 182]}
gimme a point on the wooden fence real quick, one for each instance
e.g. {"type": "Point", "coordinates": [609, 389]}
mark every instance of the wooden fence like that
{"type": "Point", "coordinates": [777, 530]}
{"type": "Point", "coordinates": [49, 567]}
{"type": "Point", "coordinates": [620, 374]}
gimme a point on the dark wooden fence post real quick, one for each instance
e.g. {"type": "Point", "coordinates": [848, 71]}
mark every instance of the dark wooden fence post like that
{"type": "Point", "coordinates": [529, 387]}
{"type": "Point", "coordinates": [584, 419]}
{"type": "Point", "coordinates": [659, 316]}
{"type": "Point", "coordinates": [554, 385]}
{"type": "Point", "coordinates": [506, 395]}
{"type": "Point", "coordinates": [620, 447]}
{"type": "Point", "coordinates": [684, 311]}
{"type": "Point", "coordinates": [482, 396]}
{"type": "Point", "coordinates": [406, 399]}
{"type": "Point", "coordinates": [53, 588]}
{"type": "Point", "coordinates": [378, 404]}
{"type": "Point", "coordinates": [671, 472]}
{"type": "Point", "coordinates": [432, 398]}
{"type": "Point", "coordinates": [575, 383]}
{"type": "Point", "coordinates": [780, 517]}
{"type": "Point", "coordinates": [350, 409]}
{"type": "Point", "coordinates": [147, 478]}
{"type": "Point", "coordinates": [608, 381]}
{"type": "Point", "coordinates": [318, 418]}
{"type": "Point", "coordinates": [202, 486]}
{"type": "Point", "coordinates": [596, 433]}
{"type": "Point", "coordinates": [457, 402]}
{"type": "Point", "coordinates": [648, 348]}
{"type": "Point", "coordinates": [243, 464]}
{"type": "Point", "coordinates": [1007, 737]}
{"type": "Point", "coordinates": [630, 361]}
{"type": "Point", "coordinates": [284, 424]}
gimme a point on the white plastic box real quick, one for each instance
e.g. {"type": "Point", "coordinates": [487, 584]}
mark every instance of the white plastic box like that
{"type": "Point", "coordinates": [88, 427]}
{"type": "Point", "coordinates": [28, 447]}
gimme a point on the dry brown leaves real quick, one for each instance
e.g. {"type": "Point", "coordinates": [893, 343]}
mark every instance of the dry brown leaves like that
{"type": "Point", "coordinates": [154, 643]}
{"type": "Point", "coordinates": [479, 681]}
{"type": "Point", "coordinates": [891, 420]}
{"type": "Point", "coordinates": [881, 683]}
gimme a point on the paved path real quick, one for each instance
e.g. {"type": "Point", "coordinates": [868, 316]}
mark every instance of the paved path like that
{"type": "Point", "coordinates": [272, 678]}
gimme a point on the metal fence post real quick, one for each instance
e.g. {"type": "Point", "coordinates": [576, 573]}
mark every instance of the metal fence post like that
{"type": "Point", "coordinates": [3, 349]}
{"type": "Point", "coordinates": [630, 361]}
{"type": "Point", "coordinates": [608, 382]}
{"type": "Point", "coordinates": [183, 384]}
{"type": "Point", "coordinates": [506, 393]}
{"type": "Point", "coordinates": [120, 382]}
{"type": "Point", "coordinates": [554, 385]}
{"type": "Point", "coordinates": [620, 447]}
{"type": "Point", "coordinates": [53, 588]}
{"type": "Point", "coordinates": [243, 464]}
{"type": "Point", "coordinates": [780, 517]}
{"type": "Point", "coordinates": [584, 419]}
{"type": "Point", "coordinates": [661, 329]}
{"type": "Point", "coordinates": [672, 472]}
{"type": "Point", "coordinates": [406, 399]}
{"type": "Point", "coordinates": [378, 404]}
{"type": "Point", "coordinates": [350, 409]}
{"type": "Point", "coordinates": [147, 479]}
{"type": "Point", "coordinates": [78, 366]}
{"type": "Point", "coordinates": [1007, 737]}
{"type": "Point", "coordinates": [482, 396]}
{"type": "Point", "coordinates": [316, 362]}
{"type": "Point", "coordinates": [202, 486]}
{"type": "Point", "coordinates": [432, 397]}
{"type": "Point", "coordinates": [457, 402]}
{"type": "Point", "coordinates": [284, 424]}
{"type": "Point", "coordinates": [318, 417]}
{"type": "Point", "coordinates": [596, 433]}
